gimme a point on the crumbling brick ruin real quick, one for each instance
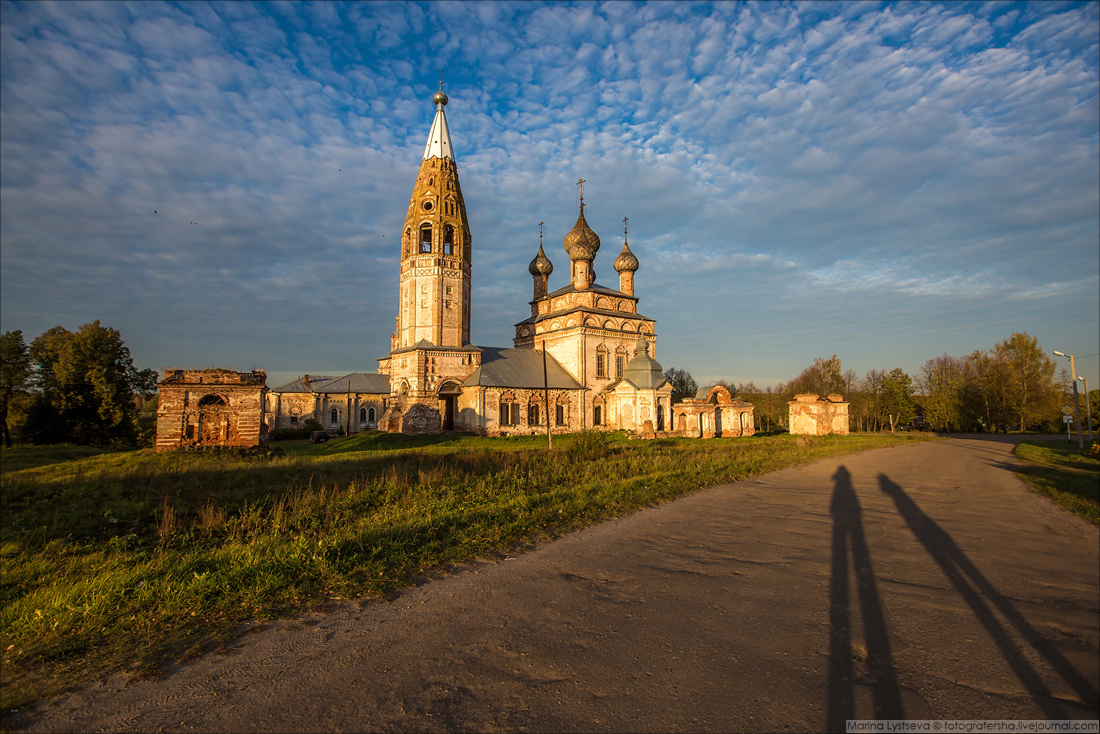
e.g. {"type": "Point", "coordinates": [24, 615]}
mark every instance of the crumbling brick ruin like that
{"type": "Point", "coordinates": [713, 412]}
{"type": "Point", "coordinates": [211, 408]}
{"type": "Point", "coordinates": [817, 415]}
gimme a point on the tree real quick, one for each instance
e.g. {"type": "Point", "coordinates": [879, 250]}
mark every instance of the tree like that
{"type": "Point", "coordinates": [86, 384]}
{"type": "Point", "coordinates": [683, 385]}
{"type": "Point", "coordinates": [823, 377]}
{"type": "Point", "coordinates": [940, 383]}
{"type": "Point", "coordinates": [897, 396]}
{"type": "Point", "coordinates": [15, 373]}
{"type": "Point", "coordinates": [1030, 389]}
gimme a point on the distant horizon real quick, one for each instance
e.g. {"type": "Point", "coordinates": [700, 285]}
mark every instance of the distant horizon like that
{"type": "Point", "coordinates": [225, 184]}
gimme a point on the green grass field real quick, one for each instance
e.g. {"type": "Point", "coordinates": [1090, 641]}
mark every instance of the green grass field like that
{"type": "Point", "coordinates": [1063, 473]}
{"type": "Point", "coordinates": [125, 561]}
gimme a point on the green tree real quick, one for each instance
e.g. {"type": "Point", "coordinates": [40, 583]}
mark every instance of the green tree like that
{"type": "Point", "coordinates": [1031, 392]}
{"type": "Point", "coordinates": [15, 373]}
{"type": "Point", "coordinates": [940, 385]}
{"type": "Point", "coordinates": [897, 396]}
{"type": "Point", "coordinates": [87, 383]}
{"type": "Point", "coordinates": [823, 377]}
{"type": "Point", "coordinates": [683, 384]}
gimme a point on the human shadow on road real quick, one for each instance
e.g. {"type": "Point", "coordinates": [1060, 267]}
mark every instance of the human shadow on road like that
{"type": "Point", "coordinates": [980, 594]}
{"type": "Point", "coordinates": [879, 665]}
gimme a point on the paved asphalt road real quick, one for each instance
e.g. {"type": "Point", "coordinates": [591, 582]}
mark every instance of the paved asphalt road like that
{"type": "Point", "coordinates": [917, 582]}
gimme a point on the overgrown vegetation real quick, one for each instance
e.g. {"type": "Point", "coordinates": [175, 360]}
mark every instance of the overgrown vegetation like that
{"type": "Point", "coordinates": [1064, 473]}
{"type": "Point", "coordinates": [125, 560]}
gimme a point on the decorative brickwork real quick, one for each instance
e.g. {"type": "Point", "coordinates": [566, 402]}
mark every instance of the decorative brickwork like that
{"type": "Point", "coordinates": [211, 408]}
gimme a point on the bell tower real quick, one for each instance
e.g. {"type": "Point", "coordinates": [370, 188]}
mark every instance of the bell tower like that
{"type": "Point", "coordinates": [435, 249]}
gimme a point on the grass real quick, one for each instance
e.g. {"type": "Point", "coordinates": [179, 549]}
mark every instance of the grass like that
{"type": "Point", "coordinates": [126, 561]}
{"type": "Point", "coordinates": [1064, 473]}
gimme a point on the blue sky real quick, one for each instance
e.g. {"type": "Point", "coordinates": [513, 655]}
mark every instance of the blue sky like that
{"type": "Point", "coordinates": [887, 182]}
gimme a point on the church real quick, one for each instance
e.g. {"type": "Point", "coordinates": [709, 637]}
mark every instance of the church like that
{"type": "Point", "coordinates": [584, 359]}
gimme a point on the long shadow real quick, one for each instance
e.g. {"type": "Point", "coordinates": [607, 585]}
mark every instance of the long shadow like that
{"type": "Point", "coordinates": [979, 594]}
{"type": "Point", "coordinates": [886, 694]}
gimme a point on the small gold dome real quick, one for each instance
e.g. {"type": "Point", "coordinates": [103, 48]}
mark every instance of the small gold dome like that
{"type": "Point", "coordinates": [626, 260]}
{"type": "Point", "coordinates": [581, 243]}
{"type": "Point", "coordinates": [440, 98]}
{"type": "Point", "coordinates": [541, 265]}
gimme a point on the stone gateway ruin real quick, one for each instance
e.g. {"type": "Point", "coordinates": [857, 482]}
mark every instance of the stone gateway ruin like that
{"type": "Point", "coordinates": [818, 415]}
{"type": "Point", "coordinates": [211, 409]}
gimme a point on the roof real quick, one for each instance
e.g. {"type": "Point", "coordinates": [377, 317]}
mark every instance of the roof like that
{"type": "Point", "coordinates": [642, 371]}
{"type": "Point", "coordinates": [439, 138]}
{"type": "Point", "coordinates": [519, 368]}
{"type": "Point", "coordinates": [594, 287]}
{"type": "Point", "coordinates": [357, 382]}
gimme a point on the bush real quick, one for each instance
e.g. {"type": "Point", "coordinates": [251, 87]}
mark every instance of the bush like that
{"type": "Point", "coordinates": [1093, 449]}
{"type": "Point", "coordinates": [588, 446]}
{"type": "Point", "coordinates": [309, 425]}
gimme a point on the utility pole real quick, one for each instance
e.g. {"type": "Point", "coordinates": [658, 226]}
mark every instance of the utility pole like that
{"type": "Point", "coordinates": [1088, 407]}
{"type": "Point", "coordinates": [546, 397]}
{"type": "Point", "coordinates": [1076, 402]}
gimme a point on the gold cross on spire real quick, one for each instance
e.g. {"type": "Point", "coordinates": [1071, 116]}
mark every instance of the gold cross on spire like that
{"type": "Point", "coordinates": [540, 234]}
{"type": "Point", "coordinates": [581, 183]}
{"type": "Point", "coordinates": [624, 226]}
{"type": "Point", "coordinates": [441, 80]}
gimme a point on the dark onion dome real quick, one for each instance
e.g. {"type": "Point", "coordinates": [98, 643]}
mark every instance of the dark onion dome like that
{"type": "Point", "coordinates": [581, 243]}
{"type": "Point", "coordinates": [626, 260]}
{"type": "Point", "coordinates": [440, 98]}
{"type": "Point", "coordinates": [541, 265]}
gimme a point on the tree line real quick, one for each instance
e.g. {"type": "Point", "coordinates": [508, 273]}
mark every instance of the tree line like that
{"type": "Point", "coordinates": [1012, 386]}
{"type": "Point", "coordinates": [74, 387]}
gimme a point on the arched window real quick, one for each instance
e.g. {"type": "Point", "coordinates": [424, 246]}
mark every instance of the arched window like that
{"type": "Point", "coordinates": [620, 362]}
{"type": "Point", "coordinates": [601, 362]}
{"type": "Point", "coordinates": [425, 238]}
{"type": "Point", "coordinates": [334, 416]}
{"type": "Point", "coordinates": [597, 415]}
{"type": "Point", "coordinates": [448, 239]}
{"type": "Point", "coordinates": [210, 400]}
{"type": "Point", "coordinates": [370, 415]}
{"type": "Point", "coordinates": [559, 416]}
{"type": "Point", "coordinates": [362, 415]}
{"type": "Point", "coordinates": [533, 414]}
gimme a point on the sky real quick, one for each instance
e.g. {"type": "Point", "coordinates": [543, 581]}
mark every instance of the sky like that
{"type": "Point", "coordinates": [226, 184]}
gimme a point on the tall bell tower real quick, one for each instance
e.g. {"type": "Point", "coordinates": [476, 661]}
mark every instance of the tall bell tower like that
{"type": "Point", "coordinates": [430, 351]}
{"type": "Point", "coordinates": [435, 249]}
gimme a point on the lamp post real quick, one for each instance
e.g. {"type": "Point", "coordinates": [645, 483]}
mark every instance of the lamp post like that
{"type": "Point", "coordinates": [1076, 404]}
{"type": "Point", "coordinates": [1088, 408]}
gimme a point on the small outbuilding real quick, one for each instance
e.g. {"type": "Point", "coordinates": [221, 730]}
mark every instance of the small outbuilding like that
{"type": "Point", "coordinates": [713, 412]}
{"type": "Point", "coordinates": [818, 415]}
{"type": "Point", "coordinates": [211, 408]}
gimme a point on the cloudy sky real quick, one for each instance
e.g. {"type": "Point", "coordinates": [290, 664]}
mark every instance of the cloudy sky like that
{"type": "Point", "coordinates": [225, 184]}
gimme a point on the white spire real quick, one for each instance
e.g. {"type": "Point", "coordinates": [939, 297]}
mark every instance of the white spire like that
{"type": "Point", "coordinates": [439, 139]}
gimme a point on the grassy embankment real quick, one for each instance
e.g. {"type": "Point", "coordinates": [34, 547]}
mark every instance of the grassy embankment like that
{"type": "Point", "coordinates": [123, 561]}
{"type": "Point", "coordinates": [1063, 473]}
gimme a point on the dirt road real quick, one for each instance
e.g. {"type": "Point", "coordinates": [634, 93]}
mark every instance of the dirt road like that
{"type": "Point", "coordinates": [919, 582]}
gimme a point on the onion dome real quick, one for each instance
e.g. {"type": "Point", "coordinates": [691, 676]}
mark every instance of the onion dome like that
{"type": "Point", "coordinates": [643, 371]}
{"type": "Point", "coordinates": [581, 243]}
{"type": "Point", "coordinates": [626, 260]}
{"type": "Point", "coordinates": [440, 98]}
{"type": "Point", "coordinates": [541, 265]}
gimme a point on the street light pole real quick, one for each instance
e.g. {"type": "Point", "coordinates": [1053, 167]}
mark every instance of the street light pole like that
{"type": "Point", "coordinates": [1088, 407]}
{"type": "Point", "coordinates": [1076, 403]}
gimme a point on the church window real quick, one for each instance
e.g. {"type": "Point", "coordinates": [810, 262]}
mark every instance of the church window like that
{"type": "Point", "coordinates": [620, 363]}
{"type": "Point", "coordinates": [334, 416]}
{"type": "Point", "coordinates": [294, 420]}
{"type": "Point", "coordinates": [370, 414]}
{"type": "Point", "coordinates": [448, 290]}
{"type": "Point", "coordinates": [533, 414]}
{"type": "Point", "coordinates": [601, 362]}
{"type": "Point", "coordinates": [597, 415]}
{"type": "Point", "coordinates": [425, 238]}
{"type": "Point", "coordinates": [362, 415]}
{"type": "Point", "coordinates": [448, 239]}
{"type": "Point", "coordinates": [559, 416]}
{"type": "Point", "coordinates": [448, 304]}
{"type": "Point", "coordinates": [505, 418]}
{"type": "Point", "coordinates": [427, 206]}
